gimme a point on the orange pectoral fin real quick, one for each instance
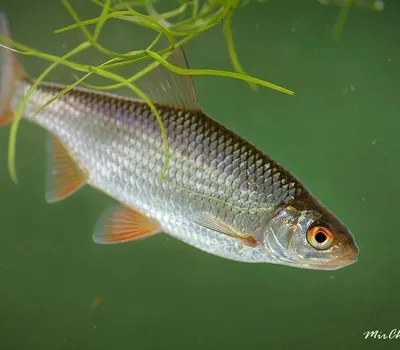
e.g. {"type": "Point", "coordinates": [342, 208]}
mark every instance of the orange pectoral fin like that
{"type": "Point", "coordinates": [122, 224]}
{"type": "Point", "coordinates": [215, 224]}
{"type": "Point", "coordinates": [246, 239]}
{"type": "Point", "coordinates": [63, 174]}
{"type": "Point", "coordinates": [251, 241]}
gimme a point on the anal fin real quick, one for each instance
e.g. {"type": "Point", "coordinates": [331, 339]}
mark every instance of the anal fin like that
{"type": "Point", "coordinates": [64, 177]}
{"type": "Point", "coordinates": [122, 224]}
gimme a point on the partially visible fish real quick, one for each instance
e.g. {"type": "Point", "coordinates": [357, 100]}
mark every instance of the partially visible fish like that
{"type": "Point", "coordinates": [221, 194]}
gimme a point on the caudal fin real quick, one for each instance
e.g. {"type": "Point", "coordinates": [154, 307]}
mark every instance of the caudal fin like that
{"type": "Point", "coordinates": [10, 72]}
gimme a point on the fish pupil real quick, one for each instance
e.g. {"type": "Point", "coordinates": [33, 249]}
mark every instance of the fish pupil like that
{"type": "Point", "coordinates": [320, 237]}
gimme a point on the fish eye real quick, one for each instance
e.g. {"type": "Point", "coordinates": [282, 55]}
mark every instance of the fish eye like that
{"type": "Point", "coordinates": [320, 237]}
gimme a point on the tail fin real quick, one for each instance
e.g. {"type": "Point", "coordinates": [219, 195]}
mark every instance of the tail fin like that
{"type": "Point", "coordinates": [10, 72]}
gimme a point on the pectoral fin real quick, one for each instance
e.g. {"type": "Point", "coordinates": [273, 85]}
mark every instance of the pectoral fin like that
{"type": "Point", "coordinates": [122, 224]}
{"type": "Point", "coordinates": [215, 224]}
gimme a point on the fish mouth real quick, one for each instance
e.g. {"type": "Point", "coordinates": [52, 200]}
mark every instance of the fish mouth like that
{"type": "Point", "coordinates": [335, 264]}
{"type": "Point", "coordinates": [330, 265]}
{"type": "Point", "coordinates": [340, 261]}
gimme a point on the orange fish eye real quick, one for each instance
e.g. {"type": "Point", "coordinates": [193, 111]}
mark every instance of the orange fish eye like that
{"type": "Point", "coordinates": [320, 237]}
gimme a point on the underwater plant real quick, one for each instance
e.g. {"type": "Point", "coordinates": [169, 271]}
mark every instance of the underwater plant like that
{"type": "Point", "coordinates": [345, 5]}
{"type": "Point", "coordinates": [178, 25]}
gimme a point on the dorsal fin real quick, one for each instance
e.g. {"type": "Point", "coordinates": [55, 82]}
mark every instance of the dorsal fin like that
{"type": "Point", "coordinates": [164, 86]}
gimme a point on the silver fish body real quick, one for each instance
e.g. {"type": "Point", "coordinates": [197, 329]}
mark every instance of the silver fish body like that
{"type": "Point", "coordinates": [117, 142]}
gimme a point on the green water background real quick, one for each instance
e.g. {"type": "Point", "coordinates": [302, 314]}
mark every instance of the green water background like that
{"type": "Point", "coordinates": [339, 135]}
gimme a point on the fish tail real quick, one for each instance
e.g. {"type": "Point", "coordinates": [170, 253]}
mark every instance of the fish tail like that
{"type": "Point", "coordinates": [10, 72]}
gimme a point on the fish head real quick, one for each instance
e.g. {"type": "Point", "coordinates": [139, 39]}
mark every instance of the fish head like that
{"type": "Point", "coordinates": [306, 234]}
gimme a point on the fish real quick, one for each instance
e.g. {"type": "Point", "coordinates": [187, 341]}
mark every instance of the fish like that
{"type": "Point", "coordinates": [376, 5]}
{"type": "Point", "coordinates": [220, 193]}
